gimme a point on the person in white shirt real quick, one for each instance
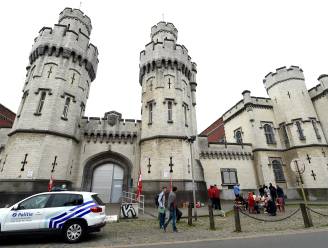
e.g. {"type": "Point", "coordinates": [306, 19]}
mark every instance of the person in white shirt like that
{"type": "Point", "coordinates": [161, 207]}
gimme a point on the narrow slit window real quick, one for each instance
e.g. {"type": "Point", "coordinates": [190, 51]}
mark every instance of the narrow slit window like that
{"type": "Point", "coordinates": [185, 108]}
{"type": "Point", "coordinates": [316, 130]}
{"type": "Point", "coordinates": [41, 102]}
{"type": "Point", "coordinates": [300, 131]}
{"type": "Point", "coordinates": [169, 111]}
{"type": "Point", "coordinates": [23, 103]}
{"type": "Point", "coordinates": [150, 113]}
{"type": "Point", "coordinates": [66, 107]}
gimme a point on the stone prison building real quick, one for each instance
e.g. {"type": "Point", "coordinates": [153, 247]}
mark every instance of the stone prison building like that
{"type": "Point", "coordinates": [255, 142]}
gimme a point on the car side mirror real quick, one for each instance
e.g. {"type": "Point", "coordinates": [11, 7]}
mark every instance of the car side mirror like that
{"type": "Point", "coordinates": [15, 207]}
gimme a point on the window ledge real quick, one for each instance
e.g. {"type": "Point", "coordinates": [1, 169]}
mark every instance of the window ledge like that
{"type": "Point", "coordinates": [63, 118]}
{"type": "Point", "coordinates": [37, 114]}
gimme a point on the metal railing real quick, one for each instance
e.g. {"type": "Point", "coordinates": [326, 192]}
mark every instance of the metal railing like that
{"type": "Point", "coordinates": [129, 197]}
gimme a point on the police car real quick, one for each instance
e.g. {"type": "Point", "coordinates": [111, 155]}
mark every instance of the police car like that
{"type": "Point", "coordinates": [73, 214]}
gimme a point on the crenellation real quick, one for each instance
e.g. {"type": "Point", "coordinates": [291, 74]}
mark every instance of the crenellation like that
{"type": "Point", "coordinates": [71, 16]}
{"type": "Point", "coordinates": [283, 74]}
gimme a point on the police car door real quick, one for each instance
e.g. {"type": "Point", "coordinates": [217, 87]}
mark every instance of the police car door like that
{"type": "Point", "coordinates": [62, 207]}
{"type": "Point", "coordinates": [27, 215]}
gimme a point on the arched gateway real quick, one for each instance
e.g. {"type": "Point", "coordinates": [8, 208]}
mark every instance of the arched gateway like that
{"type": "Point", "coordinates": [107, 174]}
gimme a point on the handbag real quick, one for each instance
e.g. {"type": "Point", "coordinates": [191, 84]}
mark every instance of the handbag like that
{"type": "Point", "coordinates": [161, 210]}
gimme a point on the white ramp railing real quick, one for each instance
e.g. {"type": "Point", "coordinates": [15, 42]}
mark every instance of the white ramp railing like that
{"type": "Point", "coordinates": [129, 197]}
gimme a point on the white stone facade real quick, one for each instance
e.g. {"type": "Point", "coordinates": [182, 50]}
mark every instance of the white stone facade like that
{"type": "Point", "coordinates": [50, 136]}
{"type": "Point", "coordinates": [261, 123]}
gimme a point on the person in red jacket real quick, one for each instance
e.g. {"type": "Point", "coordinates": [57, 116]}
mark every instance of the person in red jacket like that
{"type": "Point", "coordinates": [210, 195]}
{"type": "Point", "coordinates": [251, 202]}
{"type": "Point", "coordinates": [216, 196]}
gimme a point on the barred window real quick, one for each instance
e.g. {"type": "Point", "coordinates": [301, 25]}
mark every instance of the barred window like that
{"type": "Point", "coordinates": [300, 130]}
{"type": "Point", "coordinates": [278, 171]}
{"type": "Point", "coordinates": [316, 130]}
{"type": "Point", "coordinates": [269, 134]}
{"type": "Point", "coordinates": [66, 107]}
{"type": "Point", "coordinates": [238, 137]}
{"type": "Point", "coordinates": [41, 102]}
{"type": "Point", "coordinates": [285, 135]}
{"type": "Point", "coordinates": [229, 176]}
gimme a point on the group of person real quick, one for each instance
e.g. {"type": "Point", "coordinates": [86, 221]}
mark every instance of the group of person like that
{"type": "Point", "coordinates": [175, 213]}
{"type": "Point", "coordinates": [214, 197]}
{"type": "Point", "coordinates": [269, 199]}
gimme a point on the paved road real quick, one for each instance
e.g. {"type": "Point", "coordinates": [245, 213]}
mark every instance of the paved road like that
{"type": "Point", "coordinates": [312, 239]}
{"type": "Point", "coordinates": [300, 240]}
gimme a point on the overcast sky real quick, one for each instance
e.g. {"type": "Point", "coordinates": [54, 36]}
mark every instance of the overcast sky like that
{"type": "Point", "coordinates": [234, 43]}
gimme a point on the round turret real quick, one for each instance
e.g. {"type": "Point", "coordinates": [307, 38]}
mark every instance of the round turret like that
{"type": "Point", "coordinates": [292, 104]}
{"type": "Point", "coordinates": [323, 79]}
{"type": "Point", "coordinates": [63, 63]}
{"type": "Point", "coordinates": [163, 31]}
{"type": "Point", "coordinates": [76, 19]}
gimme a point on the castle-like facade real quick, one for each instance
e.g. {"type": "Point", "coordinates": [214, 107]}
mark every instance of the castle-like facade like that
{"type": "Point", "coordinates": [52, 137]}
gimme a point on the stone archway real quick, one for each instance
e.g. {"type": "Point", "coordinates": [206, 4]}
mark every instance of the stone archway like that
{"type": "Point", "coordinates": [104, 158]}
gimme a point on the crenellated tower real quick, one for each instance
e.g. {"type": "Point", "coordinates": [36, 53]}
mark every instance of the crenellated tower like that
{"type": "Point", "coordinates": [168, 81]}
{"type": "Point", "coordinates": [45, 135]}
{"type": "Point", "coordinates": [293, 107]}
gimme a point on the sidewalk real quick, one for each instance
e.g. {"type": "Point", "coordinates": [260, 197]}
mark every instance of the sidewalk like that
{"type": "Point", "coordinates": [151, 212]}
{"type": "Point", "coordinates": [315, 203]}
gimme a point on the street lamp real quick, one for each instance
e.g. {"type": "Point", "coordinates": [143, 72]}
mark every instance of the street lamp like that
{"type": "Point", "coordinates": [191, 140]}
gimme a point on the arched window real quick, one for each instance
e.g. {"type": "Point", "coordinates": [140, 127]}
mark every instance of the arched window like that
{"type": "Point", "coordinates": [278, 171]}
{"type": "Point", "coordinates": [238, 136]}
{"type": "Point", "coordinates": [269, 135]}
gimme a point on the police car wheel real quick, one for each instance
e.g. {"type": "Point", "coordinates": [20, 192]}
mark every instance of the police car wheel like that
{"type": "Point", "coordinates": [73, 232]}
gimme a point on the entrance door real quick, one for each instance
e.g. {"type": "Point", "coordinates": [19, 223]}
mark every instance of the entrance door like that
{"type": "Point", "coordinates": [117, 184]}
{"type": "Point", "coordinates": [107, 181]}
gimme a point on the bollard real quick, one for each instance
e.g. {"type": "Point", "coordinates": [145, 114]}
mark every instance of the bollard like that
{"type": "Point", "coordinates": [237, 219]}
{"type": "Point", "coordinates": [189, 214]}
{"type": "Point", "coordinates": [305, 214]}
{"type": "Point", "coordinates": [211, 216]}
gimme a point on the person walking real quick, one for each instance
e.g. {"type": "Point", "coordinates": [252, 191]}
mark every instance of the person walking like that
{"type": "Point", "coordinates": [280, 199]}
{"type": "Point", "coordinates": [161, 207]}
{"type": "Point", "coordinates": [172, 205]}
